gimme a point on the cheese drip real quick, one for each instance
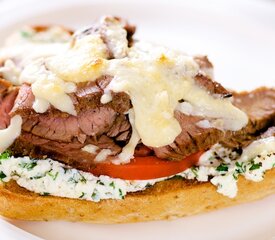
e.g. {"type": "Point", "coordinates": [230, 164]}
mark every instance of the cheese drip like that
{"type": "Point", "coordinates": [150, 93]}
{"type": "Point", "coordinates": [48, 88]}
{"type": "Point", "coordinates": [8, 135]}
{"type": "Point", "coordinates": [156, 80]}
{"type": "Point", "coordinates": [128, 151]}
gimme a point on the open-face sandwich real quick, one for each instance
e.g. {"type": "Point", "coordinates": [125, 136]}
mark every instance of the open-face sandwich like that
{"type": "Point", "coordinates": [98, 126]}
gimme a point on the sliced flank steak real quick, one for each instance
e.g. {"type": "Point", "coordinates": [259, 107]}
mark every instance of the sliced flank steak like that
{"type": "Point", "coordinates": [259, 105]}
{"type": "Point", "coordinates": [61, 136]}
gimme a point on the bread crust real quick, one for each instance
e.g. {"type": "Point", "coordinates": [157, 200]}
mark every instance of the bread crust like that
{"type": "Point", "coordinates": [165, 200]}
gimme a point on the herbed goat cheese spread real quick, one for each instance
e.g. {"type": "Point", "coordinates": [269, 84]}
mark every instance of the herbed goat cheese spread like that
{"type": "Point", "coordinates": [219, 165]}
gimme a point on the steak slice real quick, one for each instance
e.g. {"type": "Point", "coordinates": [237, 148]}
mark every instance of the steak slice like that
{"type": "Point", "coordinates": [62, 136]}
{"type": "Point", "coordinates": [88, 94]}
{"type": "Point", "coordinates": [204, 79]}
{"type": "Point", "coordinates": [39, 141]}
{"type": "Point", "coordinates": [259, 105]}
{"type": "Point", "coordinates": [214, 88]}
{"type": "Point", "coordinates": [94, 118]}
{"type": "Point", "coordinates": [260, 108]}
{"type": "Point", "coordinates": [70, 153]}
{"type": "Point", "coordinates": [191, 139]}
{"type": "Point", "coordinates": [86, 97]}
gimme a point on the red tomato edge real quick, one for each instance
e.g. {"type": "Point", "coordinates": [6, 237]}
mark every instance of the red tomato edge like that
{"type": "Point", "coordinates": [145, 168]}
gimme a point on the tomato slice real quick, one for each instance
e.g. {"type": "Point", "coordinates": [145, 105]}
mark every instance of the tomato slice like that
{"type": "Point", "coordinates": [142, 168]}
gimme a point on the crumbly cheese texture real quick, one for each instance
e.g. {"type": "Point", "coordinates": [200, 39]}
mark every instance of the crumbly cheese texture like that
{"type": "Point", "coordinates": [219, 165]}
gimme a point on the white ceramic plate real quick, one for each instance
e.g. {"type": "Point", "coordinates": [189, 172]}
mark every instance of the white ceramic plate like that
{"type": "Point", "coordinates": [239, 37]}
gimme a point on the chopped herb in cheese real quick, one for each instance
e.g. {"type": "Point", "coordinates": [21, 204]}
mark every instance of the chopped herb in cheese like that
{"type": "Point", "coordinates": [49, 177]}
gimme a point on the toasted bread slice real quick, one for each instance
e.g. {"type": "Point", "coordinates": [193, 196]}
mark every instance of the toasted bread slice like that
{"type": "Point", "coordinates": [165, 200]}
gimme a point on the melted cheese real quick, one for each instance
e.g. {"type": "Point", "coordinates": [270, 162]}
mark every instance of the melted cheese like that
{"type": "Point", "coordinates": [116, 37]}
{"type": "Point", "coordinates": [25, 53]}
{"type": "Point", "coordinates": [48, 88]}
{"type": "Point", "coordinates": [154, 86]}
{"type": "Point", "coordinates": [154, 77]}
{"type": "Point", "coordinates": [128, 151]}
{"type": "Point", "coordinates": [156, 81]}
{"type": "Point", "coordinates": [26, 45]}
{"type": "Point", "coordinates": [40, 105]}
{"type": "Point", "coordinates": [8, 135]}
{"type": "Point", "coordinates": [84, 61]}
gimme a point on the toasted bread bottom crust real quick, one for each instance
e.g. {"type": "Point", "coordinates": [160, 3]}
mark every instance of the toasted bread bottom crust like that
{"type": "Point", "coordinates": [165, 200]}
